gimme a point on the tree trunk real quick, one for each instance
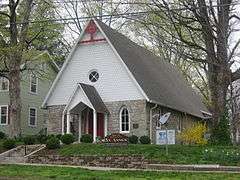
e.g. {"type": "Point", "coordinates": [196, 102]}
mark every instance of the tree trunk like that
{"type": "Point", "coordinates": [219, 79]}
{"type": "Point", "coordinates": [14, 96]}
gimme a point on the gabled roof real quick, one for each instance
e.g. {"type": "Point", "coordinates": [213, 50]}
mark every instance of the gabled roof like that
{"type": "Point", "coordinates": [43, 57]}
{"type": "Point", "coordinates": [160, 80]}
{"type": "Point", "coordinates": [89, 96]}
{"type": "Point", "coordinates": [94, 98]}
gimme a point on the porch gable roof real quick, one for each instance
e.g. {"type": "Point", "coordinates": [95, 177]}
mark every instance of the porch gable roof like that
{"type": "Point", "coordinates": [89, 97]}
{"type": "Point", "coordinates": [94, 98]}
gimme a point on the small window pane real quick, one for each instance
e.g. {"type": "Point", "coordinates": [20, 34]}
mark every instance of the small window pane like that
{"type": "Point", "coordinates": [33, 84]}
{"type": "Point", "coordinates": [4, 84]}
{"type": "Point", "coordinates": [4, 115]}
{"type": "Point", "coordinates": [32, 117]}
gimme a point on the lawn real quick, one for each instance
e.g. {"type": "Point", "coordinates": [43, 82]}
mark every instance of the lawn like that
{"type": "Point", "coordinates": [178, 154]}
{"type": "Point", "coordinates": [40, 173]}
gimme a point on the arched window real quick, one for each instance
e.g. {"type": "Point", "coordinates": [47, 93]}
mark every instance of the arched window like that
{"type": "Point", "coordinates": [124, 120]}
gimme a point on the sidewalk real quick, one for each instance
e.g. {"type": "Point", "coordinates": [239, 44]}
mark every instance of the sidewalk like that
{"type": "Point", "coordinates": [153, 167]}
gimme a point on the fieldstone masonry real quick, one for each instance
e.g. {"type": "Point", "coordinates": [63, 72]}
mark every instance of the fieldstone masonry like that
{"type": "Point", "coordinates": [138, 116]}
{"type": "Point", "coordinates": [55, 119]}
{"type": "Point", "coordinates": [98, 161]}
{"type": "Point", "coordinates": [178, 121]}
{"type": "Point", "coordinates": [139, 111]}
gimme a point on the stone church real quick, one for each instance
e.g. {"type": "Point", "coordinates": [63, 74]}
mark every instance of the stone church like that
{"type": "Point", "coordinates": [110, 84]}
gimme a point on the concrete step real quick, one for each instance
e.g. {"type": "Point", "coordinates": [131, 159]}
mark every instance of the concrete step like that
{"type": "Point", "coordinates": [18, 155]}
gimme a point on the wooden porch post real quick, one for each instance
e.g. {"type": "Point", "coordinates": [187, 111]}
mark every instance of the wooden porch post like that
{"type": "Point", "coordinates": [94, 125]}
{"type": "Point", "coordinates": [68, 122]}
{"type": "Point", "coordinates": [105, 124]}
{"type": "Point", "coordinates": [79, 126]}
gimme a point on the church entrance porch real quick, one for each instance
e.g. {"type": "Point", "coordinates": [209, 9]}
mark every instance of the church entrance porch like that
{"type": "Point", "coordinates": [85, 113]}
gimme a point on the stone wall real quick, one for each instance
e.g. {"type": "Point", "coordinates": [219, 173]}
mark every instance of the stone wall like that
{"type": "Point", "coordinates": [178, 121]}
{"type": "Point", "coordinates": [99, 161]}
{"type": "Point", "coordinates": [55, 119]}
{"type": "Point", "coordinates": [138, 116]}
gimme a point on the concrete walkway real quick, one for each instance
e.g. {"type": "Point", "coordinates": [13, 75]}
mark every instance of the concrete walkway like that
{"type": "Point", "coordinates": [19, 154]}
{"type": "Point", "coordinates": [223, 169]}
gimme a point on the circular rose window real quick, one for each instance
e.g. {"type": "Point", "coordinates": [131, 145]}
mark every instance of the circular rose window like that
{"type": "Point", "coordinates": [93, 76]}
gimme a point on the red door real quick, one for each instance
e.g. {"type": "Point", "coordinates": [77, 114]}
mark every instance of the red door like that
{"type": "Point", "coordinates": [100, 124]}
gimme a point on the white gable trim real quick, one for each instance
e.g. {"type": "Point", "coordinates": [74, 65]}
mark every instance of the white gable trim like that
{"type": "Point", "coordinates": [44, 104]}
{"type": "Point", "coordinates": [122, 62]}
{"type": "Point", "coordinates": [78, 86]}
{"type": "Point", "coordinates": [63, 67]}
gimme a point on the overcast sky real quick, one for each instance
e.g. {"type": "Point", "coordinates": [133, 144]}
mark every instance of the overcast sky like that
{"type": "Point", "coordinates": [235, 37]}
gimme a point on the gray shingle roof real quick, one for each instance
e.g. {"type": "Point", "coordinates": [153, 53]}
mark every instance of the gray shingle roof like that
{"type": "Point", "coordinates": [160, 80]}
{"type": "Point", "coordinates": [94, 98]}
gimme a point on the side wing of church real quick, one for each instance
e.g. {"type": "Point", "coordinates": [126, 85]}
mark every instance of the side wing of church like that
{"type": "Point", "coordinates": [109, 84]}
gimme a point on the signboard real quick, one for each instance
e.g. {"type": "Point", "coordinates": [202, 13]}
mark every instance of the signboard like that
{"type": "Point", "coordinates": [161, 137]}
{"type": "Point", "coordinates": [115, 138]}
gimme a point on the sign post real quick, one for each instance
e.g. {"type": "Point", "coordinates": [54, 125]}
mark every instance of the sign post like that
{"type": "Point", "coordinates": [162, 120]}
{"type": "Point", "coordinates": [166, 139]}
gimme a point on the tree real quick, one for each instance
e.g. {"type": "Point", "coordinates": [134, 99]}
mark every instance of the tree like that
{"type": "Point", "coordinates": [153, 39]}
{"type": "Point", "coordinates": [204, 27]}
{"type": "Point", "coordinates": [77, 11]}
{"type": "Point", "coordinates": [17, 35]}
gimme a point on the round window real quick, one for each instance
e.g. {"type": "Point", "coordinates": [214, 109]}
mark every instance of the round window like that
{"type": "Point", "coordinates": [93, 76]}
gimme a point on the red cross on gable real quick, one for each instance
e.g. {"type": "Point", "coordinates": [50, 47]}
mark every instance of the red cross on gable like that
{"type": "Point", "coordinates": [92, 29]}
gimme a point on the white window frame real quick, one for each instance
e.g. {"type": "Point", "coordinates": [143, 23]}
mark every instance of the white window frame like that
{"type": "Point", "coordinates": [29, 116]}
{"type": "Point", "coordinates": [1, 115]}
{"type": "Point", "coordinates": [120, 117]}
{"type": "Point", "coordinates": [30, 87]}
{"type": "Point", "coordinates": [1, 90]}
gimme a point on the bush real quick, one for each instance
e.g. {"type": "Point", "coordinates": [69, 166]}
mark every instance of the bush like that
{"type": "Point", "coordinates": [50, 136]}
{"type": "Point", "coordinates": [59, 136]}
{"type": "Point", "coordinates": [53, 143]}
{"type": "Point", "coordinates": [2, 135]}
{"type": "Point", "coordinates": [221, 133]}
{"type": "Point", "coordinates": [42, 139]}
{"type": "Point", "coordinates": [9, 144]}
{"type": "Point", "coordinates": [194, 135]}
{"type": "Point", "coordinates": [67, 139]}
{"type": "Point", "coordinates": [87, 138]}
{"type": "Point", "coordinates": [133, 139]}
{"type": "Point", "coordinates": [145, 140]}
{"type": "Point", "coordinates": [29, 140]}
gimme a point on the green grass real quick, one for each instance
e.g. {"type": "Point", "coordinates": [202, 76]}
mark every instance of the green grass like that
{"type": "Point", "coordinates": [178, 154]}
{"type": "Point", "coordinates": [40, 173]}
